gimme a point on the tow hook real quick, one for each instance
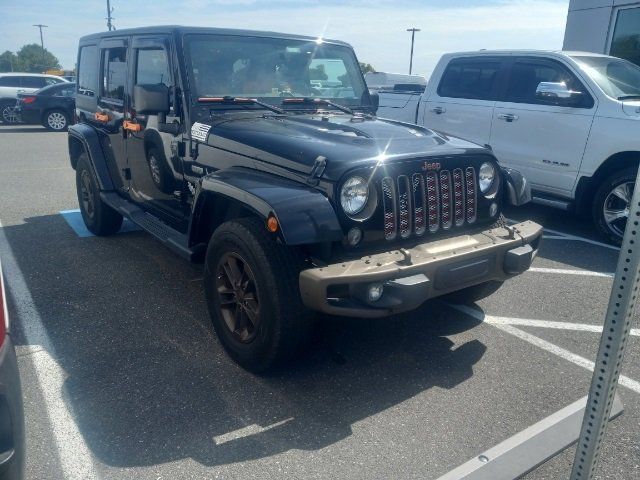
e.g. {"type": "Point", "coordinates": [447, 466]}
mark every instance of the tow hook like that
{"type": "Point", "coordinates": [511, 230]}
{"type": "Point", "coordinates": [407, 256]}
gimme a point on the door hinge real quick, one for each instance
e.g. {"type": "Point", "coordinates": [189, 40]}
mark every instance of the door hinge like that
{"type": "Point", "coordinates": [127, 173]}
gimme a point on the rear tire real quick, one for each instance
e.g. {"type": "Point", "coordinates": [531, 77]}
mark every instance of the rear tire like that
{"type": "Point", "coordinates": [252, 292]}
{"type": "Point", "coordinates": [161, 174]}
{"type": "Point", "coordinates": [613, 199]}
{"type": "Point", "coordinates": [56, 120]}
{"type": "Point", "coordinates": [99, 217]}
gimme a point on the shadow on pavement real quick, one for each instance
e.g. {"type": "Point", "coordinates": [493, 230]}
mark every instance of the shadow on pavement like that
{"type": "Point", "coordinates": [24, 129]}
{"type": "Point", "coordinates": [148, 382]}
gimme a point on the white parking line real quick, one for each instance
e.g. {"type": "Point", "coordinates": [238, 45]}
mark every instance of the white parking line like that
{"type": "Point", "coordinates": [247, 431]}
{"type": "Point", "coordinates": [567, 236]}
{"type": "Point", "coordinates": [525, 322]}
{"type": "Point", "coordinates": [587, 273]}
{"type": "Point", "coordinates": [543, 344]}
{"type": "Point", "coordinates": [75, 459]}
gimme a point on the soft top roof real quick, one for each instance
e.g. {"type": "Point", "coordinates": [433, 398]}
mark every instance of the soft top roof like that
{"type": "Point", "coordinates": [181, 30]}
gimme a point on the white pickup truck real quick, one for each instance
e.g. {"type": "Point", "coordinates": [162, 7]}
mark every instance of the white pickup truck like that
{"type": "Point", "coordinates": [569, 121]}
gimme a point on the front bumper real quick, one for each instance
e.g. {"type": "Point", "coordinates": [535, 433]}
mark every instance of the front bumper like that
{"type": "Point", "coordinates": [417, 274]}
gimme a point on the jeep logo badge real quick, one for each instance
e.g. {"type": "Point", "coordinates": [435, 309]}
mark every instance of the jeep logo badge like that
{"type": "Point", "coordinates": [430, 166]}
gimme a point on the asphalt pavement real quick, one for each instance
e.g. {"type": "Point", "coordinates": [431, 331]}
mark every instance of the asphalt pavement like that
{"type": "Point", "coordinates": [123, 377]}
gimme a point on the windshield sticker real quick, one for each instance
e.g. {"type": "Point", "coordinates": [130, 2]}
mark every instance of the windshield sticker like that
{"type": "Point", "coordinates": [200, 131]}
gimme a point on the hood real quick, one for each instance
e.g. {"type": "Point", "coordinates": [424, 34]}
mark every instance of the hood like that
{"type": "Point", "coordinates": [296, 141]}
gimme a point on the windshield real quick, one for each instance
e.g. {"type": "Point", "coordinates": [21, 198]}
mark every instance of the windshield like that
{"type": "Point", "coordinates": [618, 78]}
{"type": "Point", "coordinates": [272, 69]}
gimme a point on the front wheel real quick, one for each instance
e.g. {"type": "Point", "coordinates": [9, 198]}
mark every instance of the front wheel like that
{"type": "Point", "coordinates": [8, 112]}
{"type": "Point", "coordinates": [612, 202]}
{"type": "Point", "coordinates": [252, 292]}
{"type": "Point", "coordinates": [99, 217]}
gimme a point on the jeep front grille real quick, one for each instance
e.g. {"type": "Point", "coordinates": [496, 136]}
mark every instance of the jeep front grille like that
{"type": "Point", "coordinates": [431, 201]}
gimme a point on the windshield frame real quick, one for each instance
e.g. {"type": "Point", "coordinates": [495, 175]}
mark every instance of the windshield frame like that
{"type": "Point", "coordinates": [363, 102]}
{"type": "Point", "coordinates": [588, 66]}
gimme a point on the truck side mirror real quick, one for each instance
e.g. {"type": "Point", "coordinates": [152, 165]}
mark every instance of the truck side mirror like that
{"type": "Point", "coordinates": [375, 101]}
{"type": "Point", "coordinates": [151, 99]}
{"type": "Point", "coordinates": [557, 93]}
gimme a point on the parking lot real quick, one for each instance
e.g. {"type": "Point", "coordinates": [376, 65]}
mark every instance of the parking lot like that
{"type": "Point", "coordinates": [124, 378]}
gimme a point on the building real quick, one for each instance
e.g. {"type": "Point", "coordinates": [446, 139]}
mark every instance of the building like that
{"type": "Point", "coordinates": [604, 26]}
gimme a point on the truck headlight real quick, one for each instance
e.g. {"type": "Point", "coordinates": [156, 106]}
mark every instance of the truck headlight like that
{"type": "Point", "coordinates": [486, 176]}
{"type": "Point", "coordinates": [354, 195]}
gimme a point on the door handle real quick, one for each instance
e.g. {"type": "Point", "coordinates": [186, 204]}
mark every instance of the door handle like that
{"type": "Point", "coordinates": [438, 110]}
{"type": "Point", "coordinates": [102, 117]}
{"type": "Point", "coordinates": [131, 126]}
{"type": "Point", "coordinates": [508, 117]}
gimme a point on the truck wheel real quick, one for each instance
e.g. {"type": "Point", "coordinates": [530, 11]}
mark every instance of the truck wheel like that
{"type": "Point", "coordinates": [8, 112]}
{"type": "Point", "coordinates": [611, 204]}
{"type": "Point", "coordinates": [55, 120]}
{"type": "Point", "coordinates": [252, 292]}
{"type": "Point", "coordinates": [160, 172]}
{"type": "Point", "coordinates": [99, 217]}
{"type": "Point", "coordinates": [473, 294]}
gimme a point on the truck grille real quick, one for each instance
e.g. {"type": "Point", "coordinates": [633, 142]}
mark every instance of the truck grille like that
{"type": "Point", "coordinates": [431, 201]}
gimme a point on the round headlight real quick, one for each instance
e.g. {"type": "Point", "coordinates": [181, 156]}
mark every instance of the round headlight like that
{"type": "Point", "coordinates": [486, 176]}
{"type": "Point", "coordinates": [354, 195]}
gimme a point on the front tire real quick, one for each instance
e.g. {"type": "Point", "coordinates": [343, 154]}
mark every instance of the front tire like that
{"type": "Point", "coordinates": [56, 120]}
{"type": "Point", "coordinates": [611, 204]}
{"type": "Point", "coordinates": [7, 112]}
{"type": "Point", "coordinates": [252, 292]}
{"type": "Point", "coordinates": [99, 217]}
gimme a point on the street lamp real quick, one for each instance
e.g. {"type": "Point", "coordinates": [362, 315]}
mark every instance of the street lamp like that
{"type": "Point", "coordinates": [413, 35]}
{"type": "Point", "coordinates": [41, 26]}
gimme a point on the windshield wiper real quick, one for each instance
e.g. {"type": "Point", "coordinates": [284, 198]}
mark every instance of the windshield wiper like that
{"type": "Point", "coordinates": [239, 101]}
{"type": "Point", "coordinates": [628, 97]}
{"type": "Point", "coordinates": [318, 101]}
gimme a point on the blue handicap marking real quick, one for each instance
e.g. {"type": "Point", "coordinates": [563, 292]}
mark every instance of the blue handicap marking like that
{"type": "Point", "coordinates": [75, 221]}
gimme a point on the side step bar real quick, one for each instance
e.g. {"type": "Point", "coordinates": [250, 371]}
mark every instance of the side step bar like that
{"type": "Point", "coordinates": [552, 202]}
{"type": "Point", "coordinates": [172, 238]}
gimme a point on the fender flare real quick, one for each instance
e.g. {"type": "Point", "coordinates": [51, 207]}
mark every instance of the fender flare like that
{"type": "Point", "coordinates": [90, 140]}
{"type": "Point", "coordinates": [304, 214]}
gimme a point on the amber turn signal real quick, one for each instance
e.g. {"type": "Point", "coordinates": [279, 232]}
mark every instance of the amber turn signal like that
{"type": "Point", "coordinates": [272, 224]}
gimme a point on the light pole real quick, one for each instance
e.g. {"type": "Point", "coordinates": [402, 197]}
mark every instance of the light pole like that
{"type": "Point", "coordinates": [413, 35]}
{"type": "Point", "coordinates": [109, 17]}
{"type": "Point", "coordinates": [41, 26]}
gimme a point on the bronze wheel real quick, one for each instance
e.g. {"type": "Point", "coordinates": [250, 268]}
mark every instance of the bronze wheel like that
{"type": "Point", "coordinates": [238, 297]}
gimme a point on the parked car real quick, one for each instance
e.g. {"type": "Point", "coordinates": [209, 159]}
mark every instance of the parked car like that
{"type": "Point", "coordinates": [297, 199]}
{"type": "Point", "coordinates": [569, 121]}
{"type": "Point", "coordinates": [13, 83]}
{"type": "Point", "coordinates": [12, 444]}
{"type": "Point", "coordinates": [51, 106]}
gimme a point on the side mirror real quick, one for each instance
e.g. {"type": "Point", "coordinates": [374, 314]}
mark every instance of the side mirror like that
{"type": "Point", "coordinates": [151, 99]}
{"type": "Point", "coordinates": [557, 93]}
{"type": "Point", "coordinates": [375, 101]}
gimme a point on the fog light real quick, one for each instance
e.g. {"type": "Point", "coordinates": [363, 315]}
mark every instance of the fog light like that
{"type": "Point", "coordinates": [375, 292]}
{"type": "Point", "coordinates": [493, 209]}
{"type": "Point", "coordinates": [354, 236]}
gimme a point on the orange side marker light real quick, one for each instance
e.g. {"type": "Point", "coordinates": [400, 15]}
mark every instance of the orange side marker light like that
{"type": "Point", "coordinates": [272, 224]}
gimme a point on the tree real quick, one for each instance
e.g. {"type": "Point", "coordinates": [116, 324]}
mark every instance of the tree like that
{"type": "Point", "coordinates": [366, 68]}
{"type": "Point", "coordinates": [318, 73]}
{"type": "Point", "coordinates": [31, 58]}
{"type": "Point", "coordinates": [8, 61]}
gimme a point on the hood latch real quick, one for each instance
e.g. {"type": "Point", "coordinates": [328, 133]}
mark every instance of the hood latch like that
{"type": "Point", "coordinates": [317, 170]}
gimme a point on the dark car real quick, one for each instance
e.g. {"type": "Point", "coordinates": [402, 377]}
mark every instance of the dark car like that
{"type": "Point", "coordinates": [259, 154]}
{"type": "Point", "coordinates": [12, 446]}
{"type": "Point", "coordinates": [52, 107]}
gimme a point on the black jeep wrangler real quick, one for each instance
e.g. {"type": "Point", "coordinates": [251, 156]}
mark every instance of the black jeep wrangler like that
{"type": "Point", "coordinates": [260, 155]}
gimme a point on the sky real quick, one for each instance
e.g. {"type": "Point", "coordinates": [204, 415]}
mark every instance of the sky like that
{"type": "Point", "coordinates": [375, 28]}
